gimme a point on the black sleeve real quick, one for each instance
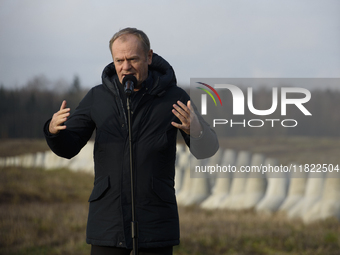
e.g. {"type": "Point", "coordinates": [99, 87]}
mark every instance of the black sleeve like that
{"type": "Point", "coordinates": [207, 144]}
{"type": "Point", "coordinates": [79, 128]}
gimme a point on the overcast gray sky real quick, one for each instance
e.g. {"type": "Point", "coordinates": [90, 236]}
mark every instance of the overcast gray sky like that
{"type": "Point", "coordinates": [212, 39]}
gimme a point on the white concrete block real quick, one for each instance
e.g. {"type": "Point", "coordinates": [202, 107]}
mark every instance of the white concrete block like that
{"type": "Point", "coordinates": [276, 191]}
{"type": "Point", "coordinates": [222, 184]}
{"type": "Point", "coordinates": [236, 194]}
{"type": "Point", "coordinates": [255, 184]}
{"type": "Point", "coordinates": [296, 190]}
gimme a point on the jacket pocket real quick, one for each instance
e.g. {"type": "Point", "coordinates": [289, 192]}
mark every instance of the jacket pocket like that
{"type": "Point", "coordinates": [99, 189]}
{"type": "Point", "coordinates": [164, 190]}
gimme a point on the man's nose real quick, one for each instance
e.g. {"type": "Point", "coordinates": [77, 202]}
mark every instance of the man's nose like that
{"type": "Point", "coordinates": [126, 65]}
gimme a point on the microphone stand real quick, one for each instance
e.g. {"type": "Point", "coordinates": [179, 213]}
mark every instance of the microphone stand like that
{"type": "Point", "coordinates": [134, 223]}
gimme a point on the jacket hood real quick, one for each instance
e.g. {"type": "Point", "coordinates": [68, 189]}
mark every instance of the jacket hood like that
{"type": "Point", "coordinates": [162, 73]}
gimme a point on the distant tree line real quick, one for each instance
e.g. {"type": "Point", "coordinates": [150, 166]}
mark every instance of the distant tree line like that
{"type": "Point", "coordinates": [24, 111]}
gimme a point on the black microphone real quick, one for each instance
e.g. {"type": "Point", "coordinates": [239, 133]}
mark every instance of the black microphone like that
{"type": "Point", "coordinates": [129, 83]}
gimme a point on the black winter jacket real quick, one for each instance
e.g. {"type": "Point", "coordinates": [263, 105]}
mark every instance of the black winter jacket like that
{"type": "Point", "coordinates": [154, 146]}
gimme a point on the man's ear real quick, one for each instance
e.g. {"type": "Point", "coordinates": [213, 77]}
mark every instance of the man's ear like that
{"type": "Point", "coordinates": [150, 57]}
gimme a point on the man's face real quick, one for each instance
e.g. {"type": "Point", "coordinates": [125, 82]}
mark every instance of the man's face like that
{"type": "Point", "coordinates": [129, 58]}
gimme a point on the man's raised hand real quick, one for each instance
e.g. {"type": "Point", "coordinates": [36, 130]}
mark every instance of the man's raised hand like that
{"type": "Point", "coordinates": [186, 114]}
{"type": "Point", "coordinates": [58, 119]}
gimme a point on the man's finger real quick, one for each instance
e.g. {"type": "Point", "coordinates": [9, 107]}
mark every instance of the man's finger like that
{"type": "Point", "coordinates": [183, 127]}
{"type": "Point", "coordinates": [189, 105]}
{"type": "Point", "coordinates": [63, 105]}
{"type": "Point", "coordinates": [64, 111]}
{"type": "Point", "coordinates": [184, 107]}
{"type": "Point", "coordinates": [60, 121]}
{"type": "Point", "coordinates": [175, 124]}
{"type": "Point", "coordinates": [191, 108]}
{"type": "Point", "coordinates": [60, 115]}
{"type": "Point", "coordinates": [63, 114]}
{"type": "Point", "coordinates": [61, 127]}
{"type": "Point", "coordinates": [180, 116]}
{"type": "Point", "coordinates": [181, 111]}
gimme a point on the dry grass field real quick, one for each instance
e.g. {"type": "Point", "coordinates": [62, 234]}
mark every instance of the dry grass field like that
{"type": "Point", "coordinates": [45, 212]}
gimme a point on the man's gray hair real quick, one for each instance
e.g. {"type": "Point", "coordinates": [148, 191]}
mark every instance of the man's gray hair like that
{"type": "Point", "coordinates": [145, 43]}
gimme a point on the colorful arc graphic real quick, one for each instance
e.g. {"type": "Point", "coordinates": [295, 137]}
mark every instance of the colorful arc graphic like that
{"type": "Point", "coordinates": [210, 93]}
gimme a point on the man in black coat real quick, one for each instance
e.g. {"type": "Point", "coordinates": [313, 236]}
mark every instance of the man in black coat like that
{"type": "Point", "coordinates": [159, 108]}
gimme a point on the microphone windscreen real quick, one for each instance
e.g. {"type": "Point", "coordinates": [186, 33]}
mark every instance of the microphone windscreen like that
{"type": "Point", "coordinates": [130, 78]}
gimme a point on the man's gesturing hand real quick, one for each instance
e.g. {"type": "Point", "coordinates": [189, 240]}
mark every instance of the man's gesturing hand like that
{"type": "Point", "coordinates": [58, 119]}
{"type": "Point", "coordinates": [186, 114]}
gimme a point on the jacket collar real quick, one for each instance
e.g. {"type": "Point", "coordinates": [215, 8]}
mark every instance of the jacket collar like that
{"type": "Point", "coordinates": [162, 73]}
